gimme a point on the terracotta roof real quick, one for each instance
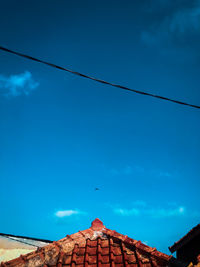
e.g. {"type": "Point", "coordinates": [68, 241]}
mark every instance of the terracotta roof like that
{"type": "Point", "coordinates": [96, 246]}
{"type": "Point", "coordinates": [186, 238]}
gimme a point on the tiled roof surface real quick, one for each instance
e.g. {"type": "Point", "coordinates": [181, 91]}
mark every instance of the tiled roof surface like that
{"type": "Point", "coordinates": [186, 238]}
{"type": "Point", "coordinates": [96, 246]}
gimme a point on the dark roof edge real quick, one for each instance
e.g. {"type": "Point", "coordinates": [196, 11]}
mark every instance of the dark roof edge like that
{"type": "Point", "coordinates": [26, 237]}
{"type": "Point", "coordinates": [185, 239]}
{"type": "Point", "coordinates": [176, 263]}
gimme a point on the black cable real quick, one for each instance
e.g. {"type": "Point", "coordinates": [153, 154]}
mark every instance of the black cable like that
{"type": "Point", "coordinates": [98, 80]}
{"type": "Point", "coordinates": [27, 237]}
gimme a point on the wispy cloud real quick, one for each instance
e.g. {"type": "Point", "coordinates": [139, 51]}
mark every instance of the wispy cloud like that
{"type": "Point", "coordinates": [135, 169]}
{"type": "Point", "coordinates": [166, 212]}
{"type": "Point", "coordinates": [19, 84]}
{"type": "Point", "coordinates": [177, 21]}
{"type": "Point", "coordinates": [165, 174]}
{"type": "Point", "coordinates": [127, 212]}
{"type": "Point", "coordinates": [186, 19]}
{"type": "Point", "coordinates": [68, 213]}
{"type": "Point", "coordinates": [127, 170]}
{"type": "Point", "coordinates": [141, 208]}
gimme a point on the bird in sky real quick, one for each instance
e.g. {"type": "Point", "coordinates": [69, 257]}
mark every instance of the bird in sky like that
{"type": "Point", "coordinates": [96, 189]}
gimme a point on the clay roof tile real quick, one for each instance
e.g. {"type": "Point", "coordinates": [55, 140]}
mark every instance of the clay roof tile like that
{"type": "Point", "coordinates": [96, 246]}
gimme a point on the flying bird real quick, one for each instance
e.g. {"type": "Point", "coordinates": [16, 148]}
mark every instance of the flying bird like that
{"type": "Point", "coordinates": [96, 189]}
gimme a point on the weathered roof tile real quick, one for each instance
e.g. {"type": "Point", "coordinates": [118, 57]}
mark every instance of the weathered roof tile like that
{"type": "Point", "coordinates": [96, 246]}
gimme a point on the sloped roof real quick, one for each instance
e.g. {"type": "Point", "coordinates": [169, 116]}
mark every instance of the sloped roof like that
{"type": "Point", "coordinates": [96, 246]}
{"type": "Point", "coordinates": [12, 246]}
{"type": "Point", "coordinates": [25, 241]}
{"type": "Point", "coordinates": [186, 238]}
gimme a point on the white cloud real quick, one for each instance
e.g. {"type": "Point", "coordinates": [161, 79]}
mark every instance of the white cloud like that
{"type": "Point", "coordinates": [186, 20]}
{"type": "Point", "coordinates": [165, 174]}
{"type": "Point", "coordinates": [68, 213]}
{"type": "Point", "coordinates": [114, 172]}
{"type": "Point", "coordinates": [165, 212]}
{"type": "Point", "coordinates": [127, 170]}
{"type": "Point", "coordinates": [140, 208]}
{"type": "Point", "coordinates": [19, 84]}
{"type": "Point", "coordinates": [123, 171]}
{"type": "Point", "coordinates": [136, 169]}
{"type": "Point", "coordinates": [127, 212]}
{"type": "Point", "coordinates": [179, 21]}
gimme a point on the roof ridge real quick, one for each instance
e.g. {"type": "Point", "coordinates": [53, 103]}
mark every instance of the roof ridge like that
{"type": "Point", "coordinates": [71, 240]}
{"type": "Point", "coordinates": [137, 244]}
{"type": "Point", "coordinates": [67, 245]}
{"type": "Point", "coordinates": [40, 251]}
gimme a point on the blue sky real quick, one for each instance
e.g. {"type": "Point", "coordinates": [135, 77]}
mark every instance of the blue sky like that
{"type": "Point", "coordinates": [61, 136]}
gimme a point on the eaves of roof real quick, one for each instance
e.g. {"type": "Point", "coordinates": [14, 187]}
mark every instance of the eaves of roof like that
{"type": "Point", "coordinates": [96, 246]}
{"type": "Point", "coordinates": [26, 237]}
{"type": "Point", "coordinates": [185, 239]}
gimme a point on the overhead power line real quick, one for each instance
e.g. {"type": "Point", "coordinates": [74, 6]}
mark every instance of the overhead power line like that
{"type": "Point", "coordinates": [97, 80]}
{"type": "Point", "coordinates": [25, 239]}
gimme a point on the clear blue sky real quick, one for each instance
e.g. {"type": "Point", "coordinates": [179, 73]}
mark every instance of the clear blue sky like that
{"type": "Point", "coordinates": [61, 136]}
